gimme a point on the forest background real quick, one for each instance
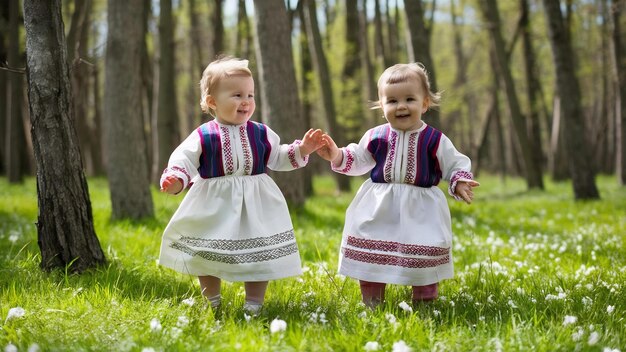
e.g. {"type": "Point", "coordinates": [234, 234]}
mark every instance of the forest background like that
{"type": "Point", "coordinates": [494, 61]}
{"type": "Point", "coordinates": [107, 89]}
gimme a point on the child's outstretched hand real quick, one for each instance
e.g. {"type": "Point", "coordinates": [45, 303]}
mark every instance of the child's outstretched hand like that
{"type": "Point", "coordinates": [329, 150]}
{"type": "Point", "coordinates": [464, 190]}
{"type": "Point", "coordinates": [171, 185]}
{"type": "Point", "coordinates": [311, 141]}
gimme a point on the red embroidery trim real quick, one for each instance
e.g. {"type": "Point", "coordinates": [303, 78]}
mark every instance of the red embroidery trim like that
{"type": "Point", "coordinates": [385, 259]}
{"type": "Point", "coordinates": [389, 246]}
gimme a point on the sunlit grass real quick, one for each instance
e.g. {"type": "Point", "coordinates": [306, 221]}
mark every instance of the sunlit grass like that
{"type": "Point", "coordinates": [534, 271]}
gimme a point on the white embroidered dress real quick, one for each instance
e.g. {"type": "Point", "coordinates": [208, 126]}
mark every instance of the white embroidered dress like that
{"type": "Point", "coordinates": [235, 224]}
{"type": "Point", "coordinates": [395, 231]}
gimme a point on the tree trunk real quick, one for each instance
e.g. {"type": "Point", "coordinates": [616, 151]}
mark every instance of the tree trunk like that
{"type": "Point", "coordinates": [244, 32]}
{"type": "Point", "coordinates": [66, 234]}
{"type": "Point", "coordinates": [15, 155]}
{"type": "Point", "coordinates": [578, 148]}
{"type": "Point", "coordinates": [306, 71]}
{"type": "Point", "coordinates": [468, 114]}
{"type": "Point", "coordinates": [148, 103]}
{"type": "Point", "coordinates": [326, 90]}
{"type": "Point", "coordinates": [620, 120]}
{"type": "Point", "coordinates": [218, 28]}
{"type": "Point", "coordinates": [168, 131]}
{"type": "Point", "coordinates": [533, 170]}
{"type": "Point", "coordinates": [369, 82]}
{"type": "Point", "coordinates": [392, 33]}
{"type": "Point", "coordinates": [351, 81]}
{"type": "Point", "coordinates": [195, 68]}
{"type": "Point", "coordinates": [4, 82]}
{"type": "Point", "coordinates": [128, 175]}
{"type": "Point", "coordinates": [76, 50]}
{"type": "Point", "coordinates": [420, 44]}
{"type": "Point", "coordinates": [277, 78]}
{"type": "Point", "coordinates": [379, 38]}
{"type": "Point", "coordinates": [532, 88]}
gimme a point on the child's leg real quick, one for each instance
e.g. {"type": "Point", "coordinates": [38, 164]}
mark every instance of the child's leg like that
{"type": "Point", "coordinates": [425, 293]}
{"type": "Point", "coordinates": [373, 293]}
{"type": "Point", "coordinates": [255, 295]}
{"type": "Point", "coordinates": [210, 286]}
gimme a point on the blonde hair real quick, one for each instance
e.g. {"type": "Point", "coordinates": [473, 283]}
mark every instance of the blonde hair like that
{"type": "Point", "coordinates": [399, 73]}
{"type": "Point", "coordinates": [216, 71]}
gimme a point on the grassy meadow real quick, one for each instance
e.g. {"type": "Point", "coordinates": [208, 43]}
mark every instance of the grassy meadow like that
{"type": "Point", "coordinates": [535, 271]}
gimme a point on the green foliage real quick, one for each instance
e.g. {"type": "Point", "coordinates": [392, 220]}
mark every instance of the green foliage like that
{"type": "Point", "coordinates": [534, 271]}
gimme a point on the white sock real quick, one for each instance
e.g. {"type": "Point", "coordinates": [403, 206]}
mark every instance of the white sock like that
{"type": "Point", "coordinates": [252, 307]}
{"type": "Point", "coordinates": [215, 301]}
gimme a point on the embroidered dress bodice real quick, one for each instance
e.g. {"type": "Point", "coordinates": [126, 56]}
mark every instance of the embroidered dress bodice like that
{"type": "Point", "coordinates": [419, 157]}
{"type": "Point", "coordinates": [216, 150]}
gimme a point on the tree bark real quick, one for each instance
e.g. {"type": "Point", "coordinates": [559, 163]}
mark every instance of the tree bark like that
{"type": "Point", "coordinates": [369, 82]}
{"type": "Point", "coordinates": [4, 82]}
{"type": "Point", "coordinates": [218, 28]}
{"type": "Point", "coordinates": [66, 234]}
{"type": "Point", "coordinates": [489, 9]}
{"type": "Point", "coordinates": [326, 89]}
{"type": "Point", "coordinates": [420, 44]}
{"type": "Point", "coordinates": [277, 78]}
{"type": "Point", "coordinates": [168, 131]}
{"type": "Point", "coordinates": [306, 71]}
{"type": "Point", "coordinates": [128, 175]}
{"type": "Point", "coordinates": [244, 33]}
{"type": "Point", "coordinates": [351, 81]}
{"type": "Point", "coordinates": [15, 154]}
{"type": "Point", "coordinates": [578, 148]}
{"type": "Point", "coordinates": [533, 87]}
{"type": "Point", "coordinates": [620, 121]}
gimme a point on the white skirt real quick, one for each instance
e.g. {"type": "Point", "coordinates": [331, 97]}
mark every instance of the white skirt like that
{"type": "Point", "coordinates": [234, 227]}
{"type": "Point", "coordinates": [399, 234]}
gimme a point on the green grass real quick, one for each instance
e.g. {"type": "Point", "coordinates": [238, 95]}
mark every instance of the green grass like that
{"type": "Point", "coordinates": [527, 263]}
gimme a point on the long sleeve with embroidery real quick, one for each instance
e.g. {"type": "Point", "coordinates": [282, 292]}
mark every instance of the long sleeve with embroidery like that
{"type": "Point", "coordinates": [215, 150]}
{"type": "Point", "coordinates": [421, 157]}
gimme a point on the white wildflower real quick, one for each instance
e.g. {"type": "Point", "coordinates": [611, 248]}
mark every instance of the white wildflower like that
{"type": "Point", "coordinates": [436, 312]}
{"type": "Point", "coordinates": [278, 325]}
{"type": "Point", "coordinates": [401, 346]}
{"type": "Point", "coordinates": [176, 332]}
{"type": "Point", "coordinates": [34, 348]}
{"type": "Point", "coordinates": [609, 349]}
{"type": "Point", "coordinates": [155, 325]}
{"type": "Point", "coordinates": [10, 348]}
{"type": "Point", "coordinates": [13, 238]}
{"type": "Point", "coordinates": [587, 301]}
{"type": "Point", "coordinates": [182, 321]}
{"type": "Point", "coordinates": [594, 337]}
{"type": "Point", "coordinates": [578, 334]}
{"type": "Point", "coordinates": [247, 317]}
{"type": "Point", "coordinates": [390, 318]}
{"type": "Point", "coordinates": [371, 346]}
{"type": "Point", "coordinates": [363, 315]}
{"type": "Point", "coordinates": [189, 301]}
{"type": "Point", "coordinates": [405, 307]}
{"type": "Point", "coordinates": [148, 349]}
{"type": "Point", "coordinates": [610, 309]}
{"type": "Point", "coordinates": [569, 319]}
{"type": "Point", "coordinates": [16, 312]}
{"type": "Point", "coordinates": [512, 304]}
